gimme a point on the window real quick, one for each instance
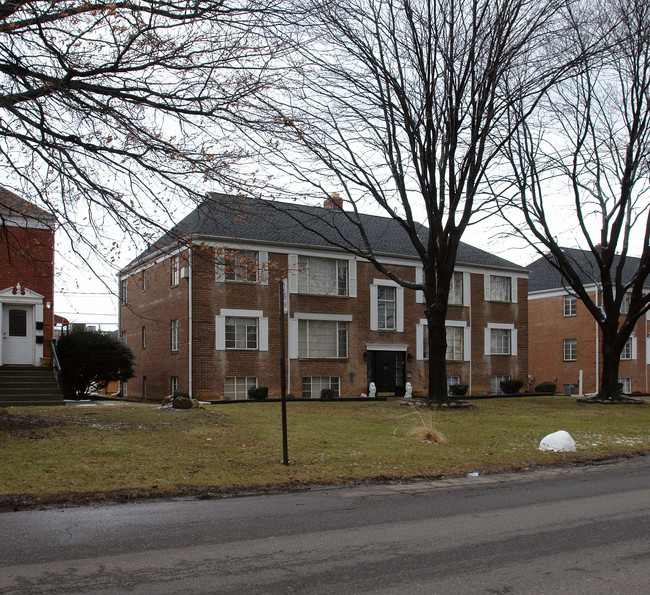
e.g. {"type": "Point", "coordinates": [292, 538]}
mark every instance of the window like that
{"type": "Point", "coordinates": [456, 290]}
{"type": "Point", "coordinates": [174, 384]}
{"type": "Point", "coordinates": [241, 333]}
{"type": "Point", "coordinates": [322, 338]}
{"type": "Point", "coordinates": [17, 323]}
{"type": "Point", "coordinates": [144, 280]}
{"type": "Point", "coordinates": [175, 271]}
{"type": "Point", "coordinates": [144, 387]}
{"type": "Point", "coordinates": [312, 385]}
{"type": "Point", "coordinates": [628, 349]}
{"type": "Point", "coordinates": [499, 288]}
{"type": "Point", "coordinates": [124, 388]}
{"type": "Point", "coordinates": [174, 335]}
{"type": "Point", "coordinates": [626, 385]}
{"type": "Point", "coordinates": [322, 276]}
{"type": "Point", "coordinates": [455, 336]}
{"type": "Point", "coordinates": [570, 305]}
{"type": "Point", "coordinates": [242, 329]}
{"type": "Point", "coordinates": [241, 266]}
{"type": "Point", "coordinates": [124, 287]}
{"type": "Point", "coordinates": [124, 337]}
{"type": "Point", "coordinates": [386, 307]}
{"type": "Point", "coordinates": [499, 341]}
{"type": "Point", "coordinates": [144, 337]}
{"type": "Point", "coordinates": [495, 384]}
{"type": "Point", "coordinates": [625, 304]}
{"type": "Point", "coordinates": [570, 350]}
{"type": "Point", "coordinates": [236, 387]}
{"type": "Point", "coordinates": [451, 381]}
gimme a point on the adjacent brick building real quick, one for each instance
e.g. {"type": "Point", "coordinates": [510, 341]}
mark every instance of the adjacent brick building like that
{"type": "Point", "coordinates": [565, 340]}
{"type": "Point", "coordinates": [26, 280]}
{"type": "Point", "coordinates": [201, 308]}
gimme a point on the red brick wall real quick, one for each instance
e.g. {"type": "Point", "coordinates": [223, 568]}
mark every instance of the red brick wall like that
{"type": "Point", "coordinates": [548, 329]}
{"type": "Point", "coordinates": [156, 306]}
{"type": "Point", "coordinates": [27, 257]}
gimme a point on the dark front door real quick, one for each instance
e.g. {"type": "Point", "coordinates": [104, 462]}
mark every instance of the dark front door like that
{"type": "Point", "coordinates": [387, 372]}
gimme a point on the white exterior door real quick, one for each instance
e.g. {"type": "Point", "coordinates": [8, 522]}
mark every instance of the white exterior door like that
{"type": "Point", "coordinates": [17, 334]}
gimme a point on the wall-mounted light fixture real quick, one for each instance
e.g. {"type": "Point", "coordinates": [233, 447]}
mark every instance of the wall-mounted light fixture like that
{"type": "Point", "coordinates": [365, 356]}
{"type": "Point", "coordinates": [409, 357]}
{"type": "Point", "coordinates": [48, 305]}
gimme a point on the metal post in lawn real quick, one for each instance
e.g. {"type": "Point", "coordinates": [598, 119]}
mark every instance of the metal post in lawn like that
{"type": "Point", "coordinates": [283, 375]}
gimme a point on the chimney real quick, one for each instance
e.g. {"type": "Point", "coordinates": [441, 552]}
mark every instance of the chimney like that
{"type": "Point", "coordinates": [334, 202]}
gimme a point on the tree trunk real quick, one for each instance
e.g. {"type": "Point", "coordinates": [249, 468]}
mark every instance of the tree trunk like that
{"type": "Point", "coordinates": [611, 355]}
{"type": "Point", "coordinates": [437, 355]}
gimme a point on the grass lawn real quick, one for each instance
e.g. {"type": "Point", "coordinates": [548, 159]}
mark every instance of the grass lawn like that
{"type": "Point", "coordinates": [138, 448]}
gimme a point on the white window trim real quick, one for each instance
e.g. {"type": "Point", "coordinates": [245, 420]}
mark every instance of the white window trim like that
{"type": "Point", "coordinates": [399, 305]}
{"type": "Point", "coordinates": [419, 278]}
{"type": "Point", "coordinates": [294, 270]}
{"type": "Point", "coordinates": [487, 288]}
{"type": "Point", "coordinates": [501, 326]}
{"type": "Point", "coordinates": [420, 329]}
{"type": "Point", "coordinates": [225, 378]}
{"type": "Point", "coordinates": [174, 333]}
{"type": "Point", "coordinates": [633, 352]}
{"type": "Point", "coordinates": [262, 327]}
{"type": "Point", "coordinates": [564, 302]}
{"type": "Point", "coordinates": [564, 350]}
{"type": "Point", "coordinates": [175, 271]}
{"type": "Point", "coordinates": [293, 327]}
{"type": "Point", "coordinates": [262, 268]}
{"type": "Point", "coordinates": [467, 289]}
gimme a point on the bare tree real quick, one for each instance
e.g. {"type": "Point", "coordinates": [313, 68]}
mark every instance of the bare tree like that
{"type": "Point", "coordinates": [109, 109]}
{"type": "Point", "coordinates": [600, 145]}
{"type": "Point", "coordinates": [402, 106]}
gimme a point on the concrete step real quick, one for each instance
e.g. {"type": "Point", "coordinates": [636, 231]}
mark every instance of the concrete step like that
{"type": "Point", "coordinates": [25, 385]}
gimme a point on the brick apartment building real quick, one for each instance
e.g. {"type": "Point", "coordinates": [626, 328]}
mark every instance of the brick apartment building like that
{"type": "Point", "coordinates": [565, 339]}
{"type": "Point", "coordinates": [203, 314]}
{"type": "Point", "coordinates": [26, 280]}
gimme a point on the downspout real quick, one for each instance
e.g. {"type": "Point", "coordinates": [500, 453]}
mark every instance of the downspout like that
{"type": "Point", "coordinates": [471, 332]}
{"type": "Point", "coordinates": [597, 345]}
{"type": "Point", "coordinates": [288, 302]}
{"type": "Point", "coordinates": [190, 329]}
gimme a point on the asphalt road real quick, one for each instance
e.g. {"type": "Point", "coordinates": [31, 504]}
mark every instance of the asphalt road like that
{"type": "Point", "coordinates": [573, 530]}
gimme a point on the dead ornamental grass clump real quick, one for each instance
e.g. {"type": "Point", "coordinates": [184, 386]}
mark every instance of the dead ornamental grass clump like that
{"type": "Point", "coordinates": [425, 430]}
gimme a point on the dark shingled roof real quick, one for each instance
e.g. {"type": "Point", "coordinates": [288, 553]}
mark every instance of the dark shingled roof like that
{"type": "Point", "coordinates": [11, 205]}
{"type": "Point", "coordinates": [248, 219]}
{"type": "Point", "coordinates": [543, 275]}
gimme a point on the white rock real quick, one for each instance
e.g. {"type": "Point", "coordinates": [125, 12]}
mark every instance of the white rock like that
{"type": "Point", "coordinates": [558, 442]}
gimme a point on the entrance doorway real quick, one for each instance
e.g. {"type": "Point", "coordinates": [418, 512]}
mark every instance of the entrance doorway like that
{"type": "Point", "coordinates": [386, 370]}
{"type": "Point", "coordinates": [17, 334]}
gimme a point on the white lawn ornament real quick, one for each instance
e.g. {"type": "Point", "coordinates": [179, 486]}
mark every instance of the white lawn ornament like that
{"type": "Point", "coordinates": [409, 391]}
{"type": "Point", "coordinates": [372, 390]}
{"type": "Point", "coordinates": [558, 442]}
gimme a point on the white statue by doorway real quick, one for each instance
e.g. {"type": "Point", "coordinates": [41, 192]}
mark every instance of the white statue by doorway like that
{"type": "Point", "coordinates": [372, 390]}
{"type": "Point", "coordinates": [409, 391]}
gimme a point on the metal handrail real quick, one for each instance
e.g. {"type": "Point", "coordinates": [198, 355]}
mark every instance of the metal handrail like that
{"type": "Point", "coordinates": [54, 359]}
